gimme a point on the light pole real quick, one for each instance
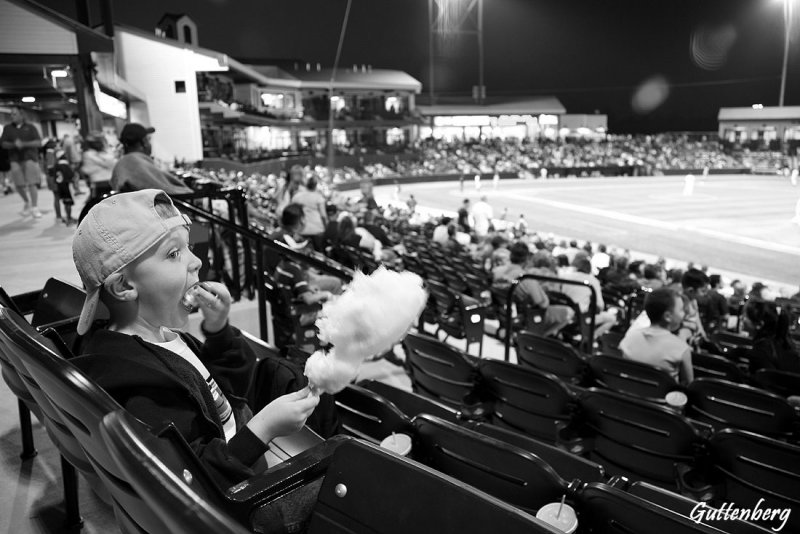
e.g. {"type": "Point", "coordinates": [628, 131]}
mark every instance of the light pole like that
{"type": "Point", "coordinates": [787, 31]}
{"type": "Point", "coordinates": [451, 17]}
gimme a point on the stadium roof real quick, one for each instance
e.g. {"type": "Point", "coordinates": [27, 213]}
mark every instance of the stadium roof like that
{"type": "Point", "coordinates": [370, 80]}
{"type": "Point", "coordinates": [767, 113]}
{"type": "Point", "coordinates": [494, 106]}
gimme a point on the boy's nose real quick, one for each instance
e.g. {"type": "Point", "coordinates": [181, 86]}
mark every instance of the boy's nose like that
{"type": "Point", "coordinates": [195, 263]}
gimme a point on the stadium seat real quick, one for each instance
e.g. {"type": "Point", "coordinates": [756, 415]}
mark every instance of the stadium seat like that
{"type": "Point", "coordinates": [686, 507]}
{"type": "Point", "coordinates": [635, 438]}
{"type": "Point", "coordinates": [724, 404]}
{"type": "Point", "coordinates": [28, 350]}
{"type": "Point", "coordinates": [608, 510]}
{"type": "Point", "coordinates": [412, 404]}
{"type": "Point", "coordinates": [505, 471]}
{"type": "Point", "coordinates": [438, 370]}
{"type": "Point", "coordinates": [525, 400]}
{"type": "Point", "coordinates": [457, 315]}
{"type": "Point", "coordinates": [781, 383]}
{"type": "Point", "coordinates": [176, 496]}
{"type": "Point", "coordinates": [568, 466]}
{"type": "Point", "coordinates": [632, 378]}
{"type": "Point", "coordinates": [369, 416]}
{"type": "Point", "coordinates": [25, 402]}
{"type": "Point", "coordinates": [711, 366]}
{"type": "Point", "coordinates": [553, 356]}
{"type": "Point", "coordinates": [749, 467]}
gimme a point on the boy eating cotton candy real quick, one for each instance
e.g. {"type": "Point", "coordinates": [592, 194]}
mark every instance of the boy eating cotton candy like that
{"type": "Point", "coordinates": [132, 253]}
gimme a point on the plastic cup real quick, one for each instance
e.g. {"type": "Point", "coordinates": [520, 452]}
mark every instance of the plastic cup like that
{"type": "Point", "coordinates": [677, 399]}
{"type": "Point", "coordinates": [566, 521]}
{"type": "Point", "coordinates": [399, 444]}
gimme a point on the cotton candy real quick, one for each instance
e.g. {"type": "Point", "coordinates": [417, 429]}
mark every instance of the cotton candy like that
{"type": "Point", "coordinates": [372, 314]}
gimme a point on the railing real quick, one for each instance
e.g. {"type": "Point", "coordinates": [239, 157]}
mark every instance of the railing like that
{"type": "Point", "coordinates": [252, 240]}
{"type": "Point", "coordinates": [541, 278]}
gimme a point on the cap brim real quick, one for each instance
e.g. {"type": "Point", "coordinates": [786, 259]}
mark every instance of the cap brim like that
{"type": "Point", "coordinates": [150, 129]}
{"type": "Point", "coordinates": [89, 310]}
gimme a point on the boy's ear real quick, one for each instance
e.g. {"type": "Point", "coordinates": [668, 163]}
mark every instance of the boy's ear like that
{"type": "Point", "coordinates": [118, 288]}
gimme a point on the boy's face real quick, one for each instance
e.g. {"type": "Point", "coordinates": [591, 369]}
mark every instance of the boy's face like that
{"type": "Point", "coordinates": [675, 316]}
{"type": "Point", "coordinates": [162, 276]}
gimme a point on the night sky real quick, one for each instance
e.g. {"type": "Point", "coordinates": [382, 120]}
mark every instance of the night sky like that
{"type": "Point", "coordinates": [650, 65]}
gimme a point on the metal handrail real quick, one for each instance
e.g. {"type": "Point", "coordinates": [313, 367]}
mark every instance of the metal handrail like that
{"type": "Point", "coordinates": [543, 278]}
{"type": "Point", "coordinates": [262, 243]}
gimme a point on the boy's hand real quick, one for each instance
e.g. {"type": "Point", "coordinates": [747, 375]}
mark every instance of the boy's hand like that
{"type": "Point", "coordinates": [215, 304]}
{"type": "Point", "coordinates": [283, 416]}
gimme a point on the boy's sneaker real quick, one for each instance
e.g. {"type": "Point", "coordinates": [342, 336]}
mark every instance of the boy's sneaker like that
{"type": "Point", "coordinates": [36, 213]}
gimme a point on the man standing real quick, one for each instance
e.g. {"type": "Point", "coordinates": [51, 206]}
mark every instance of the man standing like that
{"type": "Point", "coordinates": [22, 140]}
{"type": "Point", "coordinates": [136, 169]}
{"type": "Point", "coordinates": [482, 214]}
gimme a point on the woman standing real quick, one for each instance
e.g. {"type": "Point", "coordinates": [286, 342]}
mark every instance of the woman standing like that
{"type": "Point", "coordinates": [315, 214]}
{"type": "Point", "coordinates": [97, 166]}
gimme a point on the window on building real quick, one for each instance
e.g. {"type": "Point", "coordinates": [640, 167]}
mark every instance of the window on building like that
{"type": "Point", "coordinates": [180, 86]}
{"type": "Point", "coordinates": [187, 34]}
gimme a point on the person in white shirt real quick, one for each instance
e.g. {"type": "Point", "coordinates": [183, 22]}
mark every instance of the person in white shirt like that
{"type": "Point", "coordinates": [482, 214]}
{"type": "Point", "coordinates": [656, 344]}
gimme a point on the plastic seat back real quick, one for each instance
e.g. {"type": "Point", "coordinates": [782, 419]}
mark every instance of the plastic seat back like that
{"type": "Point", "coordinates": [551, 356]}
{"type": "Point", "coordinates": [406, 497]}
{"type": "Point", "coordinates": [635, 438]}
{"type": "Point", "coordinates": [169, 486]}
{"type": "Point", "coordinates": [568, 466]}
{"type": "Point", "coordinates": [367, 415]}
{"type": "Point", "coordinates": [710, 366]}
{"type": "Point", "coordinates": [781, 383]}
{"type": "Point", "coordinates": [754, 467]}
{"type": "Point", "coordinates": [609, 510]}
{"type": "Point", "coordinates": [438, 370]}
{"type": "Point", "coordinates": [632, 378]}
{"type": "Point", "coordinates": [689, 508]}
{"type": "Point", "coordinates": [725, 404]}
{"type": "Point", "coordinates": [412, 404]}
{"type": "Point", "coordinates": [500, 469]}
{"type": "Point", "coordinates": [526, 400]}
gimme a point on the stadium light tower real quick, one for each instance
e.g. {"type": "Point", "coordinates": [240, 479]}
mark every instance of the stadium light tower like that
{"type": "Point", "coordinates": [449, 17]}
{"type": "Point", "coordinates": [787, 31]}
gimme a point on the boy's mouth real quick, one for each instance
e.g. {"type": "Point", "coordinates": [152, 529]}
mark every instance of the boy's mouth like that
{"type": "Point", "coordinates": [189, 299]}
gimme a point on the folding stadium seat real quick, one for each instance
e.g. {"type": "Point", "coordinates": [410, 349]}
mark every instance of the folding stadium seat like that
{"type": "Point", "coordinates": [743, 468]}
{"type": "Point", "coordinates": [287, 314]}
{"type": "Point", "coordinates": [568, 466]}
{"type": "Point", "coordinates": [454, 279]}
{"type": "Point", "coordinates": [609, 343]}
{"type": "Point", "coordinates": [686, 507]}
{"type": "Point", "coordinates": [175, 495]}
{"type": "Point", "coordinates": [523, 315]}
{"type": "Point", "coordinates": [458, 315]}
{"type": "Point", "coordinates": [781, 383]}
{"type": "Point", "coordinates": [369, 416]}
{"type": "Point", "coordinates": [725, 404]}
{"type": "Point", "coordinates": [25, 402]}
{"type": "Point", "coordinates": [632, 378]}
{"type": "Point", "coordinates": [605, 509]}
{"type": "Point", "coordinates": [412, 404]}
{"type": "Point", "coordinates": [505, 471]}
{"type": "Point", "coordinates": [634, 438]}
{"type": "Point", "coordinates": [708, 365]}
{"type": "Point", "coordinates": [439, 371]}
{"type": "Point", "coordinates": [368, 490]}
{"type": "Point", "coordinates": [525, 400]}
{"type": "Point", "coordinates": [26, 348]}
{"type": "Point", "coordinates": [551, 355]}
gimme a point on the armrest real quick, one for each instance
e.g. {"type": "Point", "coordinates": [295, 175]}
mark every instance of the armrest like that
{"type": "Point", "coordinates": [692, 483]}
{"type": "Point", "coordinates": [568, 438]}
{"type": "Point", "coordinates": [26, 302]}
{"type": "Point", "coordinates": [276, 481]}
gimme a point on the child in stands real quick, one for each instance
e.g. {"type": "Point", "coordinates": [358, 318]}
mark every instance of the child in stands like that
{"type": "Point", "coordinates": [59, 176]}
{"type": "Point", "coordinates": [132, 253]}
{"type": "Point", "coordinates": [656, 344]}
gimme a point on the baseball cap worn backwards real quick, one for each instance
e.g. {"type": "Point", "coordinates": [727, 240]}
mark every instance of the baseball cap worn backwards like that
{"type": "Point", "coordinates": [116, 232]}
